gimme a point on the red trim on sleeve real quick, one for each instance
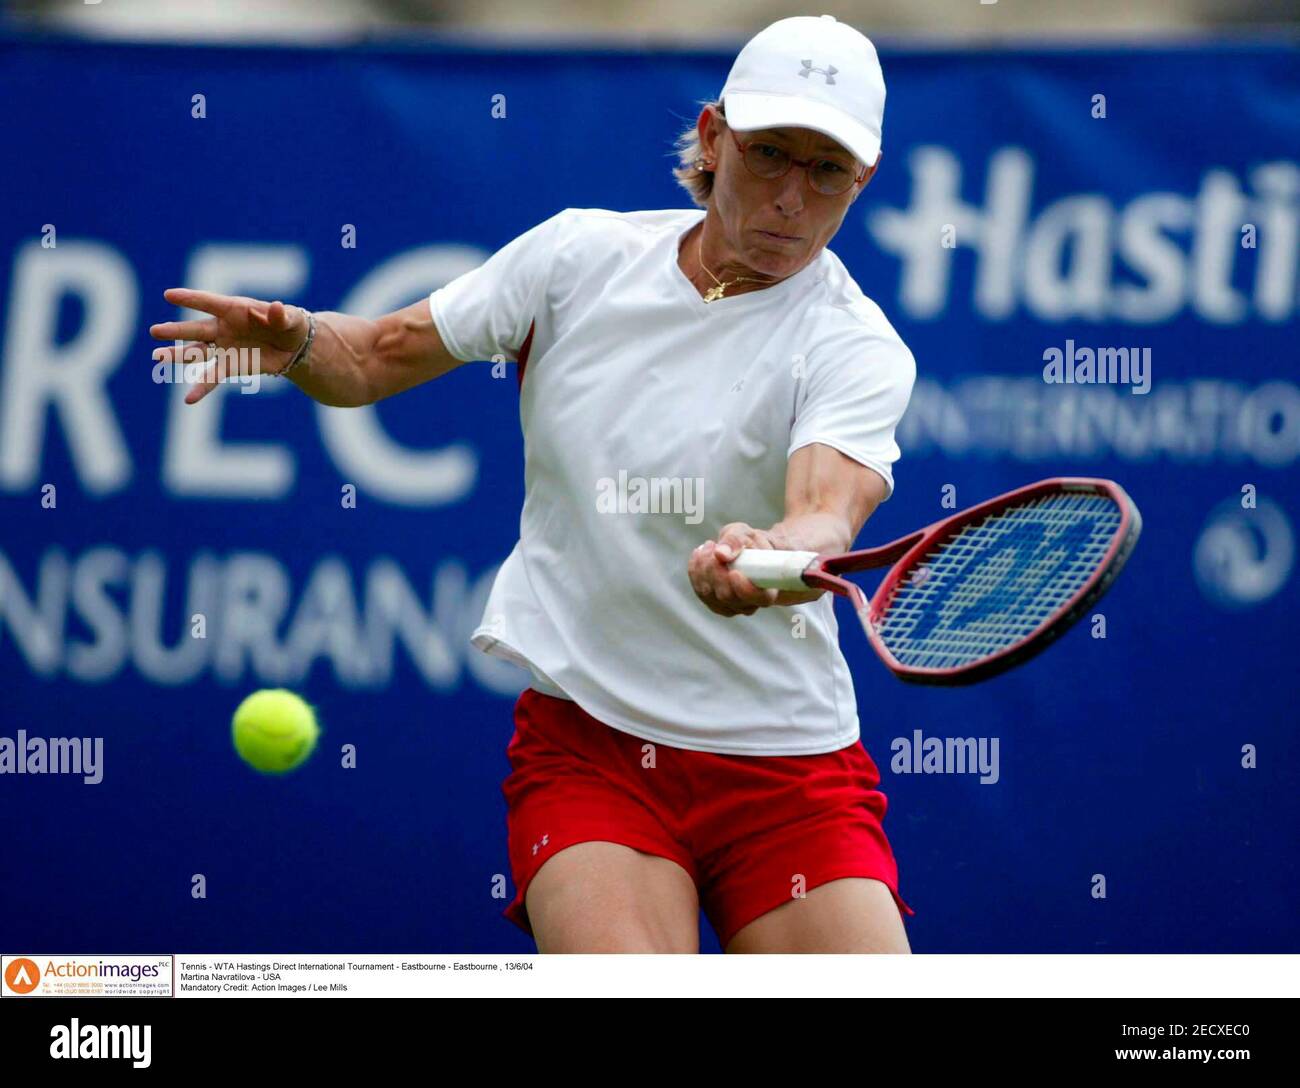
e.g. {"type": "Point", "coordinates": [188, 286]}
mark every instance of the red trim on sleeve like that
{"type": "Point", "coordinates": [523, 353]}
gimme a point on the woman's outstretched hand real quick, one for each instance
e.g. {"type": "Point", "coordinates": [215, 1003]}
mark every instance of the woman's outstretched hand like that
{"type": "Point", "coordinates": [265, 335]}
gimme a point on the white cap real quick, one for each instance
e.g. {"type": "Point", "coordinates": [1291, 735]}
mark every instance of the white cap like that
{"type": "Point", "coordinates": [810, 72]}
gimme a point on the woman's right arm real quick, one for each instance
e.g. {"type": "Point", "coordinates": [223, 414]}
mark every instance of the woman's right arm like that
{"type": "Point", "coordinates": [353, 360]}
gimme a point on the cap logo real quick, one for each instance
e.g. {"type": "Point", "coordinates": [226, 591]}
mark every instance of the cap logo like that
{"type": "Point", "coordinates": [808, 69]}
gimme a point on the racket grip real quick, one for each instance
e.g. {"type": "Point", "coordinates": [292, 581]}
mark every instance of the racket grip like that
{"type": "Point", "coordinates": [769, 569]}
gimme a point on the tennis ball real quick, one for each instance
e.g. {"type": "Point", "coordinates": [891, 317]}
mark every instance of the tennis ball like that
{"type": "Point", "coordinates": [274, 730]}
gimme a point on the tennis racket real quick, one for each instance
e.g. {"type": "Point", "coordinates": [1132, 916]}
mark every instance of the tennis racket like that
{"type": "Point", "coordinates": [983, 590]}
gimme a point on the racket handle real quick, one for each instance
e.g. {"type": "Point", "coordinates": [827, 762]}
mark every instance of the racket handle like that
{"type": "Point", "coordinates": [769, 569]}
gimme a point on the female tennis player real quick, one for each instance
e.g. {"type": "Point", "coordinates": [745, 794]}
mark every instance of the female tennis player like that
{"type": "Point", "coordinates": [692, 383]}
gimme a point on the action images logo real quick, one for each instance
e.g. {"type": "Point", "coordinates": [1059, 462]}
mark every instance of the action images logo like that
{"type": "Point", "coordinates": [86, 976]}
{"type": "Point", "coordinates": [22, 976]}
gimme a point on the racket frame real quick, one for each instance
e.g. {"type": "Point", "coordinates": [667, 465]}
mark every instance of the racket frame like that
{"type": "Point", "coordinates": [827, 571]}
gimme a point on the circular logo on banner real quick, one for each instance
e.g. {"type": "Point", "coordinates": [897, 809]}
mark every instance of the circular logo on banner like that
{"type": "Point", "coordinates": [22, 976]}
{"type": "Point", "coordinates": [1243, 557]}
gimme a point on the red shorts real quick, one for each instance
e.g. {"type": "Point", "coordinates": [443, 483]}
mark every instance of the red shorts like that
{"type": "Point", "coordinates": [744, 827]}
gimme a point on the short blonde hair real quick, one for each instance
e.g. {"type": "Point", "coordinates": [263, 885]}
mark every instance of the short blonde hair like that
{"type": "Point", "coordinates": [699, 183]}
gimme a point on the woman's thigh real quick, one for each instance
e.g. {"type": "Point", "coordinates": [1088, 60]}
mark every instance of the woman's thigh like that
{"type": "Point", "coordinates": [852, 914]}
{"type": "Point", "coordinates": [606, 897]}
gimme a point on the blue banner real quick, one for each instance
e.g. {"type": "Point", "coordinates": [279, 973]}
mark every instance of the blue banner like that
{"type": "Point", "coordinates": [1041, 219]}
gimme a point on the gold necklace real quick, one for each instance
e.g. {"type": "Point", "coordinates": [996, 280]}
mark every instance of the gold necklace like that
{"type": "Point", "coordinates": [714, 293]}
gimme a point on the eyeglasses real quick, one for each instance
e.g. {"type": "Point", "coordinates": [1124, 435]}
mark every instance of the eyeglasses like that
{"type": "Point", "coordinates": [769, 162]}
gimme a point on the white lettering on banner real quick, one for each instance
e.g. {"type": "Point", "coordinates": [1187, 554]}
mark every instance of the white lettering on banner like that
{"type": "Point", "coordinates": [103, 655]}
{"type": "Point", "coordinates": [39, 372]}
{"type": "Point", "coordinates": [37, 622]}
{"type": "Point", "coordinates": [355, 437]}
{"type": "Point", "coordinates": [1275, 285]}
{"type": "Point", "coordinates": [147, 617]}
{"type": "Point", "coordinates": [249, 599]}
{"type": "Point", "coordinates": [193, 433]}
{"type": "Point", "coordinates": [1081, 256]}
{"type": "Point", "coordinates": [1071, 259]}
{"type": "Point", "coordinates": [1194, 421]}
{"type": "Point", "coordinates": [254, 600]}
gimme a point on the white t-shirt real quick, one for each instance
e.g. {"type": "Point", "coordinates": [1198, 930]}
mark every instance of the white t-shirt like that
{"type": "Point", "coordinates": [651, 419]}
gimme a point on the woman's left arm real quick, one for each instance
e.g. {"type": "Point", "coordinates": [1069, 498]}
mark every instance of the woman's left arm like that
{"type": "Point", "coordinates": [828, 498]}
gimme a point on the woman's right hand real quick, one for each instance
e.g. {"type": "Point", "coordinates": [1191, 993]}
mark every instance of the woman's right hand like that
{"type": "Point", "coordinates": [270, 332]}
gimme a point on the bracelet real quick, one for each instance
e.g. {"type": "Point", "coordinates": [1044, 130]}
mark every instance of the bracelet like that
{"type": "Point", "coordinates": [305, 350]}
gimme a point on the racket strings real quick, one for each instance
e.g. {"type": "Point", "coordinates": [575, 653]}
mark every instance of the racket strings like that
{"type": "Point", "coordinates": [997, 580]}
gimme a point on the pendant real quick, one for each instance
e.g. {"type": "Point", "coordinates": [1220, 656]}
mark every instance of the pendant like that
{"type": "Point", "coordinates": [714, 293]}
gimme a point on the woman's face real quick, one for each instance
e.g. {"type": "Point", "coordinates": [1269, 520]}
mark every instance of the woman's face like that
{"type": "Point", "coordinates": [775, 226]}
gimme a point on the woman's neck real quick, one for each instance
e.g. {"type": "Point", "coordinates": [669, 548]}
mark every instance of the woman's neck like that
{"type": "Point", "coordinates": [694, 261]}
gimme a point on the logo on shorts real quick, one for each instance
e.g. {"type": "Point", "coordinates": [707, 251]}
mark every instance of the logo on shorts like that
{"type": "Point", "coordinates": [538, 845]}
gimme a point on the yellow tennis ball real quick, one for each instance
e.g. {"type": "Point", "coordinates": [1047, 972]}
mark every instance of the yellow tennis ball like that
{"type": "Point", "coordinates": [274, 730]}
